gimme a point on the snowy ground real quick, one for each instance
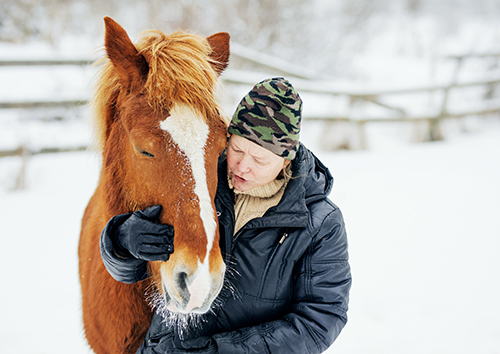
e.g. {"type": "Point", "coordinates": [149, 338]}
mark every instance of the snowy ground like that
{"type": "Point", "coordinates": [424, 242]}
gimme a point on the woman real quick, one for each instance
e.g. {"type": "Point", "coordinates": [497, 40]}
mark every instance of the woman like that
{"type": "Point", "coordinates": [284, 240]}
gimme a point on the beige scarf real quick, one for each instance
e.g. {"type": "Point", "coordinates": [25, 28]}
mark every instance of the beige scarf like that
{"type": "Point", "coordinates": [254, 203]}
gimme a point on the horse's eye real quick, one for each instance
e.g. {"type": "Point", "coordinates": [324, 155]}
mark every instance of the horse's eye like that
{"type": "Point", "coordinates": [147, 154]}
{"type": "Point", "coordinates": [139, 149]}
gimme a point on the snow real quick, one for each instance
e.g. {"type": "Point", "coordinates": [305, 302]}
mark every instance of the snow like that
{"type": "Point", "coordinates": [40, 300]}
{"type": "Point", "coordinates": [424, 245]}
{"type": "Point", "coordinates": [423, 231]}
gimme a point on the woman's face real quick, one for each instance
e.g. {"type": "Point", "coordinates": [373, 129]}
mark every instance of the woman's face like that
{"type": "Point", "coordinates": [250, 165]}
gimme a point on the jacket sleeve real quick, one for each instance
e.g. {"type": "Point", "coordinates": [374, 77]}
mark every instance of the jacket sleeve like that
{"type": "Point", "coordinates": [126, 270]}
{"type": "Point", "coordinates": [322, 280]}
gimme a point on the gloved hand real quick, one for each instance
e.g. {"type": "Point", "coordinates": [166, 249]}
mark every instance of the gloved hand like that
{"type": "Point", "coordinates": [140, 237]}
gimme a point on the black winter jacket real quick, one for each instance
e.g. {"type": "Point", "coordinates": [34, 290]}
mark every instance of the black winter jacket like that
{"type": "Point", "coordinates": [287, 289]}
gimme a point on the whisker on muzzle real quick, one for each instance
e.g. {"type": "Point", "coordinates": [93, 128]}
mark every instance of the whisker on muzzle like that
{"type": "Point", "coordinates": [180, 322]}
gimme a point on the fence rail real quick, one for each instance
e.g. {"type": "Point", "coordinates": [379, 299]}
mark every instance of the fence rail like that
{"type": "Point", "coordinates": [46, 62]}
{"type": "Point", "coordinates": [24, 150]}
{"type": "Point", "coordinates": [43, 104]}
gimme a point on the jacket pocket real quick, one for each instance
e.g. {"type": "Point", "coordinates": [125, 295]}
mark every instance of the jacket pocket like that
{"type": "Point", "coordinates": [272, 275]}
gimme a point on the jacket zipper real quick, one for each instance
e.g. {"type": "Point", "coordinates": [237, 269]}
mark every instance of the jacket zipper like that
{"type": "Point", "coordinates": [229, 240]}
{"type": "Point", "coordinates": [285, 235]}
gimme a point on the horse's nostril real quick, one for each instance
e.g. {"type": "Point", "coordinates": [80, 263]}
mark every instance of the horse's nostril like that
{"type": "Point", "coordinates": [180, 282]}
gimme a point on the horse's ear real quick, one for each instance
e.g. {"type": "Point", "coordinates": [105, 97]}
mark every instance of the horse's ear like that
{"type": "Point", "coordinates": [220, 51]}
{"type": "Point", "coordinates": [131, 67]}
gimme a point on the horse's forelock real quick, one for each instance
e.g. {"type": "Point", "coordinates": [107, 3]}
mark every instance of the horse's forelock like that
{"type": "Point", "coordinates": [180, 71]}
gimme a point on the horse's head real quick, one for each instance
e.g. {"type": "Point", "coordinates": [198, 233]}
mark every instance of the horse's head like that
{"type": "Point", "coordinates": [161, 135]}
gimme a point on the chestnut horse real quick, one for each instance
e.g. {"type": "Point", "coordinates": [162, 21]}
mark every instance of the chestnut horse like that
{"type": "Point", "coordinates": [160, 132]}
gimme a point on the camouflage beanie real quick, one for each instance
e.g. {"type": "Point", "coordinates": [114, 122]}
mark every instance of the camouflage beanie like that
{"type": "Point", "coordinates": [269, 115]}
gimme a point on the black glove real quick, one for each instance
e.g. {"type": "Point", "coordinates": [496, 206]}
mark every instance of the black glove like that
{"type": "Point", "coordinates": [137, 235]}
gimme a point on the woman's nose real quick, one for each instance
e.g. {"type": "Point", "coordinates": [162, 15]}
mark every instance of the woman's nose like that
{"type": "Point", "coordinates": [244, 165]}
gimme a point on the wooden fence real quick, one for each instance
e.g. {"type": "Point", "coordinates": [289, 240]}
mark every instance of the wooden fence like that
{"type": "Point", "coordinates": [307, 81]}
{"type": "Point", "coordinates": [304, 81]}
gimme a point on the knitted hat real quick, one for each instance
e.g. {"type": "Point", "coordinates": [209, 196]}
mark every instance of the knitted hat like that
{"type": "Point", "coordinates": [269, 115]}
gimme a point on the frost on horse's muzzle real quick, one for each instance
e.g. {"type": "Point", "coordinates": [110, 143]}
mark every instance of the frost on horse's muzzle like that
{"type": "Point", "coordinates": [191, 292]}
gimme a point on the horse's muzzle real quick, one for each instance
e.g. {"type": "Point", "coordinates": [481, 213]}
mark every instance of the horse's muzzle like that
{"type": "Point", "coordinates": [192, 292]}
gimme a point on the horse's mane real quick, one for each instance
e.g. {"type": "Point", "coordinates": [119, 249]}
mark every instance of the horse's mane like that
{"type": "Point", "coordinates": [180, 71]}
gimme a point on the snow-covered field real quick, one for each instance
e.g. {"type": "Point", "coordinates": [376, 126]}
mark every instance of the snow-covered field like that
{"type": "Point", "coordinates": [424, 239]}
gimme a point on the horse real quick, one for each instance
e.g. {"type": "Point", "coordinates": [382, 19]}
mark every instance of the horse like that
{"type": "Point", "coordinates": [160, 130]}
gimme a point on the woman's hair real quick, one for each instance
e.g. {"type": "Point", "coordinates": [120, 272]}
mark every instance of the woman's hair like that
{"type": "Point", "coordinates": [286, 172]}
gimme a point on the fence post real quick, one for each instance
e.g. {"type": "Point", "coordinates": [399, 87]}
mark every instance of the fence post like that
{"type": "Point", "coordinates": [435, 128]}
{"type": "Point", "coordinates": [25, 154]}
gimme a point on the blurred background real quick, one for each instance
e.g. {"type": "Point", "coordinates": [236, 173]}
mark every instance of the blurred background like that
{"type": "Point", "coordinates": [401, 102]}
